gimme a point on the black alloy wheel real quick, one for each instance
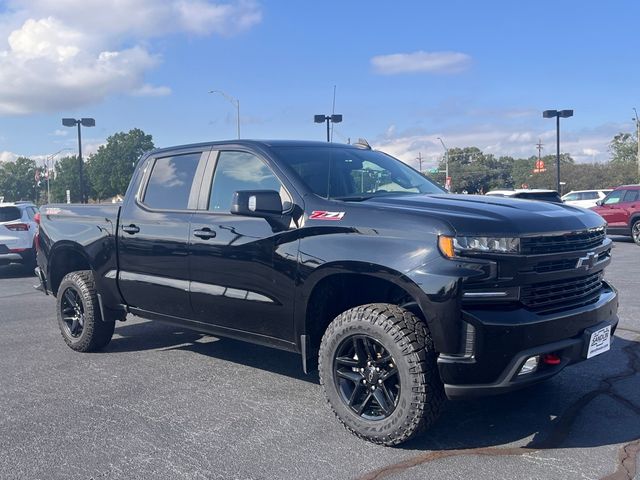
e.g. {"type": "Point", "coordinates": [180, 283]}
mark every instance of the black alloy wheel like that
{"type": "Point", "coordinates": [367, 377]}
{"type": "Point", "coordinates": [79, 313]}
{"type": "Point", "coordinates": [72, 312]}
{"type": "Point", "coordinates": [635, 232]}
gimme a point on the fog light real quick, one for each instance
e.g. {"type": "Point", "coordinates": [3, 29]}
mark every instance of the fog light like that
{"type": "Point", "coordinates": [530, 366]}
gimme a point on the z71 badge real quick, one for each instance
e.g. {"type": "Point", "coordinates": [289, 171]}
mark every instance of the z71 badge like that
{"type": "Point", "coordinates": [324, 215]}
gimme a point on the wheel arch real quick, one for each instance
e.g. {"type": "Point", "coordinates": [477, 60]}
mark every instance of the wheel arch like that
{"type": "Point", "coordinates": [66, 257]}
{"type": "Point", "coordinates": [337, 287]}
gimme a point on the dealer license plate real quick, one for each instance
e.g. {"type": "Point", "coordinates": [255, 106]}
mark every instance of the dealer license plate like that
{"type": "Point", "coordinates": [599, 341]}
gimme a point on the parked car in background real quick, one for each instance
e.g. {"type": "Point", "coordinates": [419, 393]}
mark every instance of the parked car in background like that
{"type": "Point", "coordinates": [584, 198]}
{"type": "Point", "coordinates": [528, 194]}
{"type": "Point", "coordinates": [621, 210]}
{"type": "Point", "coordinates": [17, 233]}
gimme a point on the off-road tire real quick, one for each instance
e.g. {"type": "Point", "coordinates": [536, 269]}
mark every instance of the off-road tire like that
{"type": "Point", "coordinates": [96, 333]}
{"type": "Point", "coordinates": [407, 339]}
{"type": "Point", "coordinates": [635, 232]}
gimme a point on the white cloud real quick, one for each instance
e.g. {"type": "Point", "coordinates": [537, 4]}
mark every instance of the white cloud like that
{"type": "Point", "coordinates": [60, 133]}
{"type": "Point", "coordinates": [584, 146]}
{"type": "Point", "coordinates": [7, 156]}
{"type": "Point", "coordinates": [66, 53]}
{"type": "Point", "coordinates": [147, 90]}
{"type": "Point", "coordinates": [421, 61]}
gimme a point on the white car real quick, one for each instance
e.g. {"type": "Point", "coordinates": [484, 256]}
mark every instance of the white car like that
{"type": "Point", "coordinates": [528, 194]}
{"type": "Point", "coordinates": [584, 198]}
{"type": "Point", "coordinates": [18, 229]}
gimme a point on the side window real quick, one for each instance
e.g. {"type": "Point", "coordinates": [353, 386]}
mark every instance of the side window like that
{"type": "Point", "coordinates": [631, 196]}
{"type": "Point", "coordinates": [614, 197]}
{"type": "Point", "coordinates": [571, 197]}
{"type": "Point", "coordinates": [170, 182]}
{"type": "Point", "coordinates": [590, 195]}
{"type": "Point", "coordinates": [241, 171]}
{"type": "Point", "coordinates": [30, 212]}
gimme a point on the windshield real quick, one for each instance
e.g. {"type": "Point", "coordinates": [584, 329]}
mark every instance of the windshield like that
{"type": "Point", "coordinates": [353, 174]}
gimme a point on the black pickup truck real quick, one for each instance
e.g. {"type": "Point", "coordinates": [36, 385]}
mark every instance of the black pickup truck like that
{"type": "Point", "coordinates": [402, 293]}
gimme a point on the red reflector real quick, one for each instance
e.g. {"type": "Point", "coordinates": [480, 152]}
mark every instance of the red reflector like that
{"type": "Point", "coordinates": [17, 227]}
{"type": "Point", "coordinates": [551, 359]}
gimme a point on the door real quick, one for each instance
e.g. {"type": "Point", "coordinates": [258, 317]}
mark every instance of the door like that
{"type": "Point", "coordinates": [242, 271]}
{"type": "Point", "coordinates": [612, 209]}
{"type": "Point", "coordinates": [154, 234]}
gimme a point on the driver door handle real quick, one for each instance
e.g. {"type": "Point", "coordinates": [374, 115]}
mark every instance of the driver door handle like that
{"type": "Point", "coordinates": [204, 233]}
{"type": "Point", "coordinates": [130, 229]}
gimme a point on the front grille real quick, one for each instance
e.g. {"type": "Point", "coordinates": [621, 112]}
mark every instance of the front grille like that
{"type": "Point", "coordinates": [561, 293]}
{"type": "Point", "coordinates": [563, 264]}
{"type": "Point", "coordinates": [569, 242]}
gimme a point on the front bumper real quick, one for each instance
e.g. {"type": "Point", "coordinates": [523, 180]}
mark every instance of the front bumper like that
{"type": "Point", "coordinates": [504, 338]}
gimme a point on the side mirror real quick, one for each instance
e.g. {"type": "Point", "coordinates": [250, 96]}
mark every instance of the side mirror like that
{"type": "Point", "coordinates": [599, 203]}
{"type": "Point", "coordinates": [256, 203]}
{"type": "Point", "coordinates": [265, 204]}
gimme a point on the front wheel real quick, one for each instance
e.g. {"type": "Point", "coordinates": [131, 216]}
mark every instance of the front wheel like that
{"type": "Point", "coordinates": [81, 325]}
{"type": "Point", "coordinates": [378, 367]}
{"type": "Point", "coordinates": [635, 232]}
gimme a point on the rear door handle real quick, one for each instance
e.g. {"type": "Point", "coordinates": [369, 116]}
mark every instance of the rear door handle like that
{"type": "Point", "coordinates": [205, 233]}
{"type": "Point", "coordinates": [130, 229]}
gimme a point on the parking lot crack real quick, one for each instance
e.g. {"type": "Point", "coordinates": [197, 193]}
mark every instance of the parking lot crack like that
{"type": "Point", "coordinates": [626, 464]}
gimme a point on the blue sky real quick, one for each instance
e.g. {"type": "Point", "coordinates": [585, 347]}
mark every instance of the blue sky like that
{"type": "Point", "coordinates": [474, 73]}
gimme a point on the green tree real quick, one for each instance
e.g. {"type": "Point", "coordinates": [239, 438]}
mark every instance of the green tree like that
{"type": "Point", "coordinates": [67, 177]}
{"type": "Point", "coordinates": [111, 167]}
{"type": "Point", "coordinates": [17, 180]}
{"type": "Point", "coordinates": [624, 148]}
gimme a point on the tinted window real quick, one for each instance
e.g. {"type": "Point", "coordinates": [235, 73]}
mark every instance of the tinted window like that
{"type": "Point", "coordinates": [614, 197]}
{"type": "Point", "coordinates": [571, 197]}
{"type": "Point", "coordinates": [170, 183]}
{"type": "Point", "coordinates": [544, 196]}
{"type": "Point", "coordinates": [241, 171]}
{"type": "Point", "coordinates": [7, 214]}
{"type": "Point", "coordinates": [590, 195]}
{"type": "Point", "coordinates": [631, 196]}
{"type": "Point", "coordinates": [353, 174]}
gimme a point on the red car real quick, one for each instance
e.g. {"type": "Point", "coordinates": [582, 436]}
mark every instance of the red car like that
{"type": "Point", "coordinates": [621, 210]}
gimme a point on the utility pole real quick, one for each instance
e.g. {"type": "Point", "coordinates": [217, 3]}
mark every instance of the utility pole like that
{"type": "Point", "coordinates": [539, 146]}
{"type": "Point", "coordinates": [420, 161]}
{"type": "Point", "coordinates": [638, 140]}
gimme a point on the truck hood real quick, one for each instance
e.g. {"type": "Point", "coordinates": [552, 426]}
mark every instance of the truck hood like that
{"type": "Point", "coordinates": [484, 215]}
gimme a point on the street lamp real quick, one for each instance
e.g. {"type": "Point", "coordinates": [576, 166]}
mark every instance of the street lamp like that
{"type": "Point", "coordinates": [85, 122]}
{"type": "Point", "coordinates": [47, 160]}
{"type": "Point", "coordinates": [335, 118]}
{"type": "Point", "coordinates": [637, 139]}
{"type": "Point", "coordinates": [557, 114]}
{"type": "Point", "coordinates": [447, 180]}
{"type": "Point", "coordinates": [235, 102]}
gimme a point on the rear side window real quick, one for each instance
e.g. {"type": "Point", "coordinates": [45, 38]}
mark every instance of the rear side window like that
{"type": "Point", "coordinates": [590, 196]}
{"type": "Point", "coordinates": [170, 183]}
{"type": "Point", "coordinates": [631, 196]}
{"type": "Point", "coordinates": [8, 214]}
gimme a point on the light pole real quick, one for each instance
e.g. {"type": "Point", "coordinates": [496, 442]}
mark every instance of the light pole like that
{"type": "Point", "coordinates": [447, 180]}
{"type": "Point", "coordinates": [85, 122]}
{"type": "Point", "coordinates": [235, 102]}
{"type": "Point", "coordinates": [48, 159]}
{"type": "Point", "coordinates": [638, 140]}
{"type": "Point", "coordinates": [557, 114]}
{"type": "Point", "coordinates": [335, 118]}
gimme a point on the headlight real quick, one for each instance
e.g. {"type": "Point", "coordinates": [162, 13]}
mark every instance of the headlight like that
{"type": "Point", "coordinates": [487, 244]}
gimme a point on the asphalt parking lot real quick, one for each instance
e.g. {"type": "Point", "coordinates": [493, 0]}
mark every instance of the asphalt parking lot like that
{"type": "Point", "coordinates": [163, 403]}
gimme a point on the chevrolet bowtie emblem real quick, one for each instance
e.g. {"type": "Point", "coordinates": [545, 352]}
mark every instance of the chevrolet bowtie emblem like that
{"type": "Point", "coordinates": [587, 262]}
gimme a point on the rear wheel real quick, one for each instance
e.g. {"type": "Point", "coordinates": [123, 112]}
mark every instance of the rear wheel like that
{"type": "Point", "coordinates": [635, 232]}
{"type": "Point", "coordinates": [378, 367]}
{"type": "Point", "coordinates": [81, 325]}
